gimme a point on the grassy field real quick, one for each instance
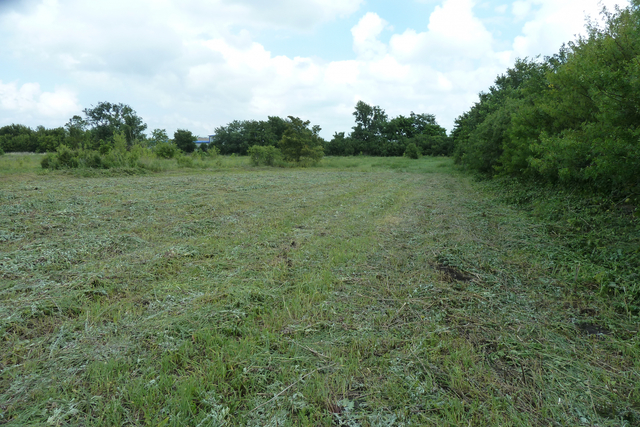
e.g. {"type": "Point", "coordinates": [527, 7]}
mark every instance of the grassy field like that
{"type": "Point", "coordinates": [364, 292]}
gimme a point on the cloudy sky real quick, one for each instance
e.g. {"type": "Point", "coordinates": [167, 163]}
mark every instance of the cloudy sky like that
{"type": "Point", "coordinates": [199, 64]}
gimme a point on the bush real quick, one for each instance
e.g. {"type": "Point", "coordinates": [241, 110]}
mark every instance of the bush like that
{"type": "Point", "coordinates": [48, 161]}
{"type": "Point", "coordinates": [267, 156]}
{"type": "Point", "coordinates": [412, 151]}
{"type": "Point", "coordinates": [206, 152]}
{"type": "Point", "coordinates": [165, 150]}
{"type": "Point", "coordinates": [184, 161]}
{"type": "Point", "coordinates": [66, 158]}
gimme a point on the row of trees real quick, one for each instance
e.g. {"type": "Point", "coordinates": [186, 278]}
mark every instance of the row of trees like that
{"type": "Point", "coordinates": [373, 134]}
{"type": "Point", "coordinates": [573, 118]}
{"type": "Point", "coordinates": [95, 131]}
{"type": "Point", "coordinates": [293, 138]}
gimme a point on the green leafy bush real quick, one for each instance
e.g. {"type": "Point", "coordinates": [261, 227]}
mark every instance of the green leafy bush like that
{"type": "Point", "coordinates": [412, 151]}
{"type": "Point", "coordinates": [67, 158]}
{"type": "Point", "coordinates": [165, 150]}
{"type": "Point", "coordinates": [571, 119]}
{"type": "Point", "coordinates": [264, 156]}
{"type": "Point", "coordinates": [185, 161]}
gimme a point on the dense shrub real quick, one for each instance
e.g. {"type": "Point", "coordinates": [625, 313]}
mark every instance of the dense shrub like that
{"type": "Point", "coordinates": [165, 150]}
{"type": "Point", "coordinates": [264, 156]}
{"type": "Point", "coordinates": [572, 119]}
{"type": "Point", "coordinates": [185, 161]}
{"type": "Point", "coordinates": [67, 158]}
{"type": "Point", "coordinates": [412, 151]}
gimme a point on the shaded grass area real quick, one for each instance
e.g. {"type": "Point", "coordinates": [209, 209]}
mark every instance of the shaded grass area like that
{"type": "Point", "coordinates": [335, 295]}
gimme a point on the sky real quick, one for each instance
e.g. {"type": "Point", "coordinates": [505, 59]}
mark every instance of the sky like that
{"type": "Point", "coordinates": [200, 64]}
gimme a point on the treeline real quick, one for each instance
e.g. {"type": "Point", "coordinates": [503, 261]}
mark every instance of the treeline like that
{"type": "Point", "coordinates": [20, 138]}
{"type": "Point", "coordinates": [373, 135]}
{"type": "Point", "coordinates": [571, 119]}
{"type": "Point", "coordinates": [95, 131]}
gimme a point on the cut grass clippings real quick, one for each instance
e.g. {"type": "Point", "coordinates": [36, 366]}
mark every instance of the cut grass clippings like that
{"type": "Point", "coordinates": [364, 292]}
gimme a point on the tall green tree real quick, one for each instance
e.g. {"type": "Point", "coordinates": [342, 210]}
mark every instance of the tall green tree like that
{"type": "Point", "coordinates": [237, 136]}
{"type": "Point", "coordinates": [76, 129]}
{"type": "Point", "coordinates": [367, 133]}
{"type": "Point", "coordinates": [301, 143]}
{"type": "Point", "coordinates": [571, 119]}
{"type": "Point", "coordinates": [158, 136]}
{"type": "Point", "coordinates": [107, 119]}
{"type": "Point", "coordinates": [185, 140]}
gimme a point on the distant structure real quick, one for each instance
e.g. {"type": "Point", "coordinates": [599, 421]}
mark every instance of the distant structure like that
{"type": "Point", "coordinates": [201, 141]}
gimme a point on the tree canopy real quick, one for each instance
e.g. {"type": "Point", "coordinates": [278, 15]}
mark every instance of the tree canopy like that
{"type": "Point", "coordinates": [301, 143]}
{"type": "Point", "coordinates": [106, 119]}
{"type": "Point", "coordinates": [573, 118]}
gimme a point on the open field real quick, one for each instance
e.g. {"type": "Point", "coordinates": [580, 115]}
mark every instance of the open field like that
{"type": "Point", "coordinates": [371, 292]}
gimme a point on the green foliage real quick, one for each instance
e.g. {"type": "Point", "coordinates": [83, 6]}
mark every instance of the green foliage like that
{"type": "Point", "coordinates": [19, 138]}
{"type": "Point", "coordinates": [158, 136]}
{"type": "Point", "coordinates": [184, 140]}
{"type": "Point", "coordinates": [165, 150]}
{"type": "Point", "coordinates": [264, 156]}
{"type": "Point", "coordinates": [570, 119]}
{"type": "Point", "coordinates": [301, 144]}
{"type": "Point", "coordinates": [107, 119]}
{"type": "Point", "coordinates": [339, 145]}
{"type": "Point", "coordinates": [118, 157]}
{"type": "Point", "coordinates": [1, 151]}
{"type": "Point", "coordinates": [375, 135]}
{"type": "Point", "coordinates": [412, 151]}
{"type": "Point", "coordinates": [362, 296]}
{"type": "Point", "coordinates": [76, 129]}
{"type": "Point", "coordinates": [206, 151]}
{"type": "Point", "coordinates": [185, 161]}
{"type": "Point", "coordinates": [238, 135]}
{"type": "Point", "coordinates": [367, 133]}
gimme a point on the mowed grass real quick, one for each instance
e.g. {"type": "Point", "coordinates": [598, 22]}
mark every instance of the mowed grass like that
{"type": "Point", "coordinates": [365, 292]}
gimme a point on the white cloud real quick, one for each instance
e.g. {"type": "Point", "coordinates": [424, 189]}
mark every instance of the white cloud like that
{"type": "Point", "coordinates": [54, 108]}
{"type": "Point", "coordinates": [453, 33]}
{"type": "Point", "coordinates": [291, 14]}
{"type": "Point", "coordinates": [365, 36]}
{"type": "Point", "coordinates": [521, 9]}
{"type": "Point", "coordinates": [553, 23]}
{"type": "Point", "coordinates": [200, 64]}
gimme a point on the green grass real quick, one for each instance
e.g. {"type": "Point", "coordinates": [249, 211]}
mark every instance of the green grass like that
{"type": "Point", "coordinates": [362, 291]}
{"type": "Point", "coordinates": [16, 163]}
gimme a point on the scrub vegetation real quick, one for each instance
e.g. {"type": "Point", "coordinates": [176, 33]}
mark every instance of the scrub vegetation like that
{"type": "Point", "coordinates": [570, 120]}
{"type": "Point", "coordinates": [363, 291]}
